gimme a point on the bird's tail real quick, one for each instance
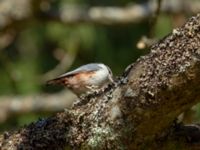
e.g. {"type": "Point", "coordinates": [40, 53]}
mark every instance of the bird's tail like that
{"type": "Point", "coordinates": [56, 81]}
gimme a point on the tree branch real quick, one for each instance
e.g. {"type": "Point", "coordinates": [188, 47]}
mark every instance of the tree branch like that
{"type": "Point", "coordinates": [136, 111]}
{"type": "Point", "coordinates": [71, 14]}
{"type": "Point", "coordinates": [17, 105]}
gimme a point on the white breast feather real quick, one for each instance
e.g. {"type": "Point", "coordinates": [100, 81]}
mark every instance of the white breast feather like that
{"type": "Point", "coordinates": [101, 77]}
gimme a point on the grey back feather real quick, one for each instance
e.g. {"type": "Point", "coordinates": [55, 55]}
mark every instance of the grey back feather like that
{"type": "Point", "coordinates": [84, 68]}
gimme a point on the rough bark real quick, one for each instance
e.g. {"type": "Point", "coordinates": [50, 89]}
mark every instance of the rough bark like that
{"type": "Point", "coordinates": [136, 112]}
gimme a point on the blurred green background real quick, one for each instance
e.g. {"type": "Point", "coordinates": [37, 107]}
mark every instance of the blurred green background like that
{"type": "Point", "coordinates": [38, 50]}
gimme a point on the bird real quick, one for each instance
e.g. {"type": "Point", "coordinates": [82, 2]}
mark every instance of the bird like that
{"type": "Point", "coordinates": [85, 79]}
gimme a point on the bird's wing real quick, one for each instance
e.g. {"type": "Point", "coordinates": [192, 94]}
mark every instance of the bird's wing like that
{"type": "Point", "coordinates": [86, 68]}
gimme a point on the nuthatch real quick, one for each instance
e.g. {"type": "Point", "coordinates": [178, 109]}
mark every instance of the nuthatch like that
{"type": "Point", "coordinates": [85, 79]}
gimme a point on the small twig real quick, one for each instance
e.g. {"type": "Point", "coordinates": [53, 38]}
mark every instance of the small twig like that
{"type": "Point", "coordinates": [64, 64]}
{"type": "Point", "coordinates": [145, 42]}
{"type": "Point", "coordinates": [6, 63]}
{"type": "Point", "coordinates": [154, 19]}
